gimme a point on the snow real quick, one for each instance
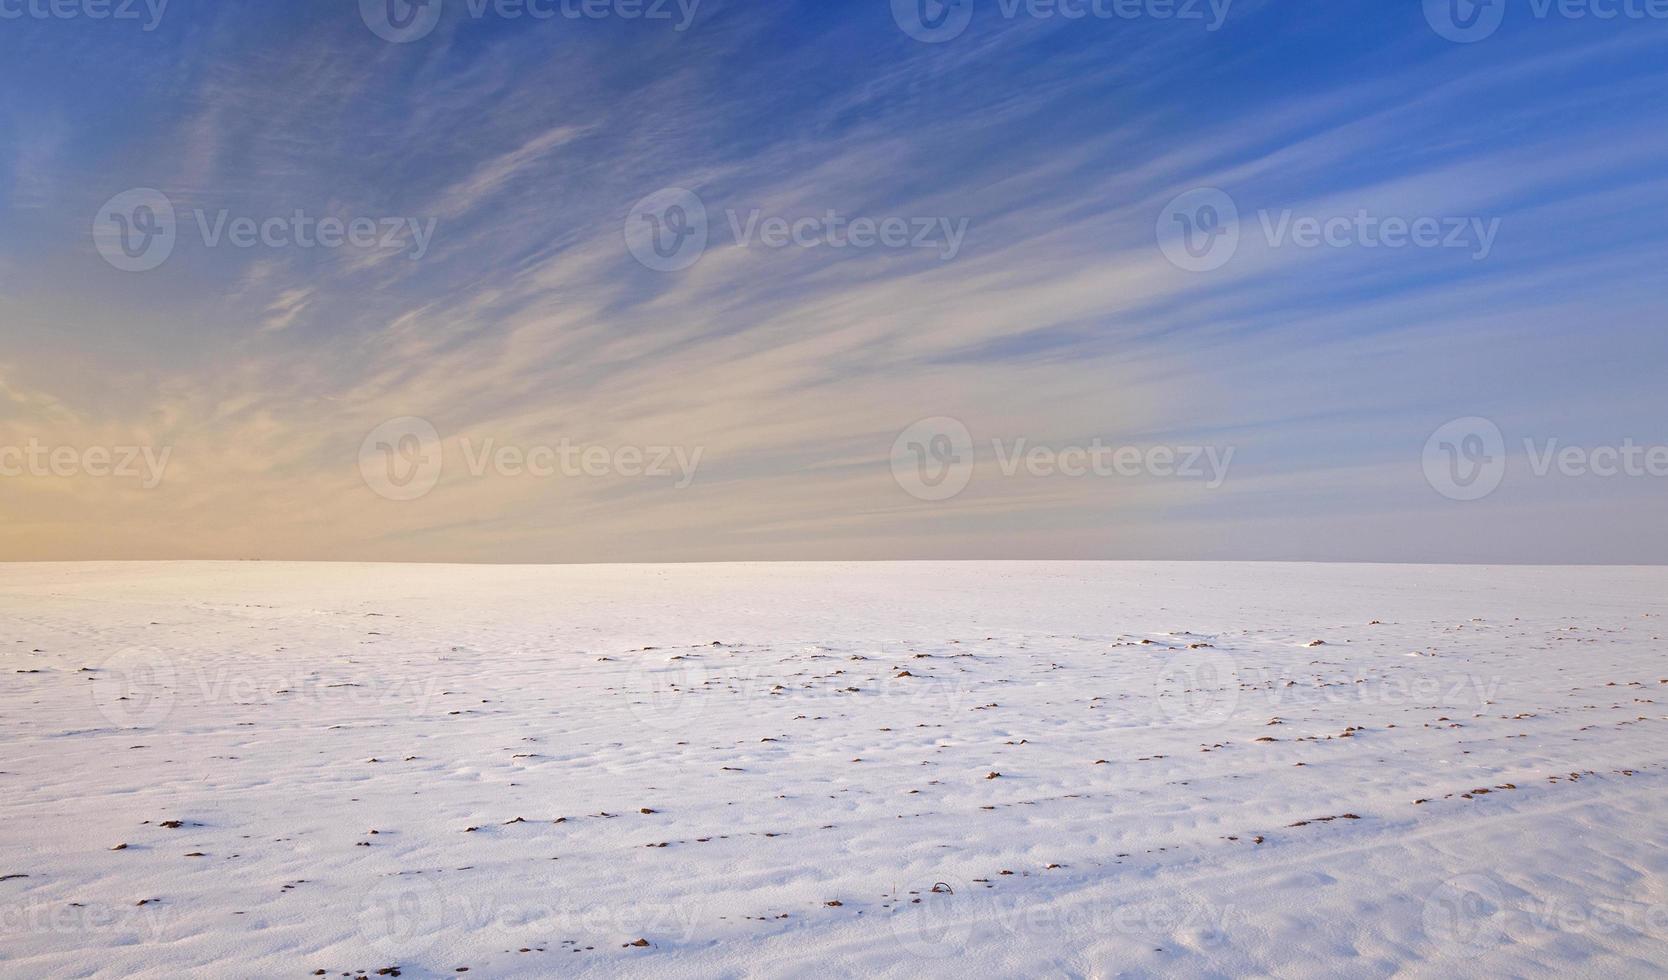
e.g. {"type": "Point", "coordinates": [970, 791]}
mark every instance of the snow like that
{"type": "Point", "coordinates": [1139, 823]}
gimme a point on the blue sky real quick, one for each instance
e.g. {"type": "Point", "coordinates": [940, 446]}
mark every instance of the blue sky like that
{"type": "Point", "coordinates": [1052, 151]}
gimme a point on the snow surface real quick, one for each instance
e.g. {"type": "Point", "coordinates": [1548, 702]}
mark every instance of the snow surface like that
{"type": "Point", "coordinates": [503, 730]}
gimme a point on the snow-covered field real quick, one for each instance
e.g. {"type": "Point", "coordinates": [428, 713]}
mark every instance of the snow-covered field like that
{"type": "Point", "coordinates": [281, 770]}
